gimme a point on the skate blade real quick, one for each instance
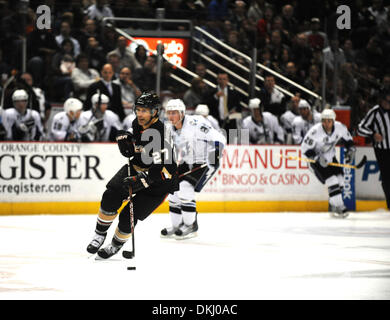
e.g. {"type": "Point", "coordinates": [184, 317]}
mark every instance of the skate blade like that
{"type": "Point", "coordinates": [338, 215]}
{"type": "Point", "coordinates": [98, 258]}
{"type": "Point", "coordinates": [171, 236]}
{"type": "Point", "coordinates": [188, 236]}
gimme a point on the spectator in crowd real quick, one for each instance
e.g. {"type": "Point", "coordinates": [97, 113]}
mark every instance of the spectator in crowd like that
{"type": "Point", "coordinates": [291, 73]}
{"type": "Point", "coordinates": [334, 54]}
{"type": "Point", "coordinates": [218, 10]}
{"type": "Point", "coordinates": [315, 37]}
{"type": "Point", "coordinates": [99, 10]}
{"type": "Point", "coordinates": [22, 123]}
{"type": "Point", "coordinates": [264, 26]}
{"type": "Point", "coordinates": [256, 10]}
{"type": "Point", "coordinates": [195, 95]}
{"type": "Point", "coordinates": [114, 60]}
{"type": "Point", "coordinates": [301, 53]}
{"type": "Point", "coordinates": [41, 47]}
{"type": "Point", "coordinates": [65, 33]}
{"type": "Point", "coordinates": [62, 66]}
{"type": "Point", "coordinates": [106, 87]}
{"type": "Point", "coordinates": [126, 57]}
{"type": "Point", "coordinates": [99, 124]}
{"type": "Point", "coordinates": [89, 30]}
{"type": "Point", "coordinates": [272, 99]}
{"type": "Point", "coordinates": [129, 91]}
{"type": "Point", "coordinates": [290, 23]}
{"type": "Point", "coordinates": [349, 51]}
{"type": "Point", "coordinates": [276, 46]}
{"type": "Point", "coordinates": [95, 54]}
{"type": "Point", "coordinates": [224, 103]}
{"type": "Point", "coordinates": [140, 54]}
{"type": "Point", "coordinates": [239, 14]}
{"type": "Point", "coordinates": [263, 127]}
{"type": "Point", "coordinates": [83, 77]}
{"type": "Point", "coordinates": [145, 77]}
{"type": "Point", "coordinates": [313, 82]}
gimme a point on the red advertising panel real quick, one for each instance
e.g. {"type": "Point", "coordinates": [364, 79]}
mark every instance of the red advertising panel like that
{"type": "Point", "coordinates": [175, 49]}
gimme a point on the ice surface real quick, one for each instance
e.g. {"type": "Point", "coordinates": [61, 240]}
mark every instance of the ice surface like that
{"type": "Point", "coordinates": [235, 256]}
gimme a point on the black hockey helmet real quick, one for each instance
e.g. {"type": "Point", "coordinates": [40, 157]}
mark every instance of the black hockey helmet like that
{"type": "Point", "coordinates": [148, 100]}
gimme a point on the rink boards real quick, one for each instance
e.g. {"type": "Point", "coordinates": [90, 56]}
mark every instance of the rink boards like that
{"type": "Point", "coordinates": [59, 178]}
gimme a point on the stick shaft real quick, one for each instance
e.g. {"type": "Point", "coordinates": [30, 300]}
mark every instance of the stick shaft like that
{"type": "Point", "coordinates": [335, 164]}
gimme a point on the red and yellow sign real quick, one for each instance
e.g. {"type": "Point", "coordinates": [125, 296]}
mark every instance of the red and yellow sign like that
{"type": "Point", "coordinates": [175, 49]}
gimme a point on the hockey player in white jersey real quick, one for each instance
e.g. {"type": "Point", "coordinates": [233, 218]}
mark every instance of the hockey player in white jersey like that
{"type": "Point", "coordinates": [287, 118]}
{"type": "Point", "coordinates": [199, 147]}
{"type": "Point", "coordinates": [263, 127]}
{"type": "Point", "coordinates": [302, 123]}
{"type": "Point", "coordinates": [319, 144]}
{"type": "Point", "coordinates": [203, 110]}
{"type": "Point", "coordinates": [65, 124]}
{"type": "Point", "coordinates": [128, 121]}
{"type": "Point", "coordinates": [98, 123]}
{"type": "Point", "coordinates": [22, 123]}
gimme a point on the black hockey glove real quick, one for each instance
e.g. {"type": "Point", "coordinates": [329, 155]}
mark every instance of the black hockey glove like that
{"type": "Point", "coordinates": [138, 182]}
{"type": "Point", "coordinates": [349, 155]}
{"type": "Point", "coordinates": [125, 143]}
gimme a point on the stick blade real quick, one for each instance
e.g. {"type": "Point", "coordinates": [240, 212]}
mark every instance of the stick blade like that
{"type": "Point", "coordinates": [362, 162]}
{"type": "Point", "coordinates": [127, 254]}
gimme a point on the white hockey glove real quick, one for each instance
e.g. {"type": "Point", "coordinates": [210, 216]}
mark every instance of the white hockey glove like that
{"type": "Point", "coordinates": [322, 161]}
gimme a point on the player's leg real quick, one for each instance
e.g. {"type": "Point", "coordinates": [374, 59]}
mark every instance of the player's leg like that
{"type": "Point", "coordinates": [188, 210]}
{"type": "Point", "coordinates": [175, 215]}
{"type": "Point", "coordinates": [144, 204]}
{"type": "Point", "coordinates": [111, 201]}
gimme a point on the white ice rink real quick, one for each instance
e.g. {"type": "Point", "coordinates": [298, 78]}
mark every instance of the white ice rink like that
{"type": "Point", "coordinates": [235, 256]}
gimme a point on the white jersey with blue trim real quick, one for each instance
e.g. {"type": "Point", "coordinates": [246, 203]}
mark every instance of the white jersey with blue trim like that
{"type": "Point", "coordinates": [61, 127]}
{"type": "Point", "coordinates": [30, 120]}
{"type": "Point", "coordinates": [301, 126]}
{"type": "Point", "coordinates": [322, 143]}
{"type": "Point", "coordinates": [195, 140]}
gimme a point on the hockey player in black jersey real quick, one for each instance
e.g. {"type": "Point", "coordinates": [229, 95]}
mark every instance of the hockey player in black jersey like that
{"type": "Point", "coordinates": [153, 175]}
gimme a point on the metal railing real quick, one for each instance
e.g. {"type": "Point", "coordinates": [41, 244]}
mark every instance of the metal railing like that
{"type": "Point", "coordinates": [218, 43]}
{"type": "Point", "coordinates": [243, 84]}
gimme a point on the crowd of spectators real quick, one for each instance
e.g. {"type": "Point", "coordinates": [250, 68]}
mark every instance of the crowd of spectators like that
{"type": "Point", "coordinates": [78, 56]}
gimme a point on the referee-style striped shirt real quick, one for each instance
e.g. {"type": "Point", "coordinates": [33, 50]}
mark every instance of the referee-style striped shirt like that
{"type": "Point", "coordinates": [377, 120]}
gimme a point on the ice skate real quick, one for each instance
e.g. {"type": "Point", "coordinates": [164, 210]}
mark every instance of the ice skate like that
{"type": "Point", "coordinates": [108, 251]}
{"type": "Point", "coordinates": [339, 212]}
{"type": "Point", "coordinates": [187, 232]}
{"type": "Point", "coordinates": [168, 232]}
{"type": "Point", "coordinates": [96, 243]}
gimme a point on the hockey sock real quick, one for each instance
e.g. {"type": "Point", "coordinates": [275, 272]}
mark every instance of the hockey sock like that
{"type": "Point", "coordinates": [176, 216]}
{"type": "Point", "coordinates": [188, 210]}
{"type": "Point", "coordinates": [104, 221]}
{"type": "Point", "coordinates": [334, 190]}
{"type": "Point", "coordinates": [120, 237]}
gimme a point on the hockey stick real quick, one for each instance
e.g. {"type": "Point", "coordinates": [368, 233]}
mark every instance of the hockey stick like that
{"type": "Point", "coordinates": [193, 170]}
{"type": "Point", "coordinates": [130, 254]}
{"type": "Point", "coordinates": [335, 164]}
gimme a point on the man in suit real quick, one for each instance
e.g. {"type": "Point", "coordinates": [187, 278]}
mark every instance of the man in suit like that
{"type": "Point", "coordinates": [109, 88]}
{"type": "Point", "coordinates": [224, 103]}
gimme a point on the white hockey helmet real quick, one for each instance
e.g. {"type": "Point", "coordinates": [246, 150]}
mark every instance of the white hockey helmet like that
{"type": "Point", "coordinates": [202, 109]}
{"type": "Point", "coordinates": [72, 104]}
{"type": "Point", "coordinates": [328, 114]}
{"type": "Point", "coordinates": [254, 103]}
{"type": "Point", "coordinates": [103, 98]}
{"type": "Point", "coordinates": [19, 95]}
{"type": "Point", "coordinates": [303, 104]}
{"type": "Point", "coordinates": [175, 105]}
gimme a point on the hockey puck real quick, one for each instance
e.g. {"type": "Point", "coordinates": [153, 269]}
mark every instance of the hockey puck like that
{"type": "Point", "coordinates": [130, 268]}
